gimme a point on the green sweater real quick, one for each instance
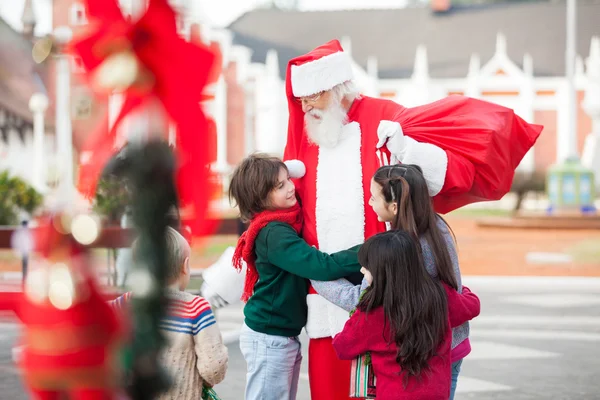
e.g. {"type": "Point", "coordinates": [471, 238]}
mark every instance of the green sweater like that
{"type": "Point", "coordinates": [284, 262]}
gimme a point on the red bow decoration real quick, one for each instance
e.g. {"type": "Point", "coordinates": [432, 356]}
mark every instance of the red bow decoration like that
{"type": "Point", "coordinates": [155, 62]}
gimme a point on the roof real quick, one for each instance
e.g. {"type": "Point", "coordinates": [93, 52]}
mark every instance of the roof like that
{"type": "Point", "coordinates": [261, 47]}
{"type": "Point", "coordinates": [537, 28]}
{"type": "Point", "coordinates": [20, 76]}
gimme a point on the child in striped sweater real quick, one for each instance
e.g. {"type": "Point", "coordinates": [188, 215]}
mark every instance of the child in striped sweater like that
{"type": "Point", "coordinates": [195, 354]}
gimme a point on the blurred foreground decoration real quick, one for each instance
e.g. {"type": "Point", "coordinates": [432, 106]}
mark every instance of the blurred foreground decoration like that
{"type": "Point", "coordinates": [149, 169]}
{"type": "Point", "coordinates": [72, 338]}
{"type": "Point", "coordinates": [146, 60]}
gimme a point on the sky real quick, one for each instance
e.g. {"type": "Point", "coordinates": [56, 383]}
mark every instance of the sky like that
{"type": "Point", "coordinates": [217, 13]}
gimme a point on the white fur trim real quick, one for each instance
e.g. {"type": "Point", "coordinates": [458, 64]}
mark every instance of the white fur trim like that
{"type": "Point", "coordinates": [432, 160]}
{"type": "Point", "coordinates": [340, 218]}
{"type": "Point", "coordinates": [322, 74]}
{"type": "Point", "coordinates": [325, 319]}
{"type": "Point", "coordinates": [296, 168]}
{"type": "Point", "coordinates": [340, 206]}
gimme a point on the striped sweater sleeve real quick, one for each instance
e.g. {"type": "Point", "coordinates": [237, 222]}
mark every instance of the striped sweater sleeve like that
{"type": "Point", "coordinates": [196, 317]}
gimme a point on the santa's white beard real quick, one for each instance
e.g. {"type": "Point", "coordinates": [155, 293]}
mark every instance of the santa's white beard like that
{"type": "Point", "coordinates": [327, 128]}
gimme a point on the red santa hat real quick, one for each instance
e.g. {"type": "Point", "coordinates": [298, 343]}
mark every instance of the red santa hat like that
{"type": "Point", "coordinates": [319, 70]}
{"type": "Point", "coordinates": [316, 71]}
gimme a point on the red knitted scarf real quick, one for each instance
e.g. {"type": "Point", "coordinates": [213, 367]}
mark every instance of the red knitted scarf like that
{"type": "Point", "coordinates": [245, 245]}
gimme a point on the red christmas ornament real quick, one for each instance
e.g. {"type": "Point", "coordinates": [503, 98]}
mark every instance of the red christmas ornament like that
{"type": "Point", "coordinates": [148, 59]}
{"type": "Point", "coordinates": [71, 336]}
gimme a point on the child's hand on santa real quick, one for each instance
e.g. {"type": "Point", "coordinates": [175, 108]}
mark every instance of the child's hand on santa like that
{"type": "Point", "coordinates": [368, 277]}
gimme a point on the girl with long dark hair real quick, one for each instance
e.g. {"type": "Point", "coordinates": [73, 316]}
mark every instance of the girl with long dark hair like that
{"type": "Point", "coordinates": [400, 198]}
{"type": "Point", "coordinates": [404, 320]}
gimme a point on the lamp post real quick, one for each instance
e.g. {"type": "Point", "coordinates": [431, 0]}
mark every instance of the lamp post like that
{"type": "Point", "coordinates": [64, 133]}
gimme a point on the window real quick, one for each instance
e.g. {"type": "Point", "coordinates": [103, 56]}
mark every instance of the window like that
{"type": "Point", "coordinates": [78, 16]}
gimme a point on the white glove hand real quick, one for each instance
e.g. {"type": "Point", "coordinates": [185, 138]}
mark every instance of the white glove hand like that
{"type": "Point", "coordinates": [212, 297]}
{"type": "Point", "coordinates": [390, 133]}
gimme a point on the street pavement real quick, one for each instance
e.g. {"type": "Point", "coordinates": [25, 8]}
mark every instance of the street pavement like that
{"type": "Point", "coordinates": [536, 338]}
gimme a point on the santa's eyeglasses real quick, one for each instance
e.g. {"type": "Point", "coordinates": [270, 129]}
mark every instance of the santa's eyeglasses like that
{"type": "Point", "coordinates": [309, 99]}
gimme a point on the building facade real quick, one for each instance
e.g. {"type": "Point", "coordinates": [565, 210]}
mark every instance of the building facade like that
{"type": "Point", "coordinates": [498, 53]}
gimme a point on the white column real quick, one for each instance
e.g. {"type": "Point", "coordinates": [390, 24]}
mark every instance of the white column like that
{"type": "Point", "coordinates": [527, 96]}
{"type": "Point", "coordinates": [591, 105]}
{"type": "Point", "coordinates": [373, 67]}
{"type": "Point", "coordinates": [571, 141]}
{"type": "Point", "coordinates": [562, 123]}
{"type": "Point", "coordinates": [270, 95]}
{"type": "Point", "coordinates": [38, 105]}
{"type": "Point", "coordinates": [220, 115]}
{"type": "Point", "coordinates": [370, 86]}
{"type": "Point", "coordinates": [346, 43]}
{"type": "Point", "coordinates": [64, 133]}
{"type": "Point", "coordinates": [418, 91]}
{"type": "Point", "coordinates": [473, 77]}
{"type": "Point", "coordinates": [250, 114]}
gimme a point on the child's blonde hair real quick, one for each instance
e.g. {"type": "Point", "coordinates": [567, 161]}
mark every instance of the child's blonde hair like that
{"type": "Point", "coordinates": [178, 250]}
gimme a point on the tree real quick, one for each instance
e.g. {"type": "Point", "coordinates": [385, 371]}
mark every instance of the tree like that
{"type": "Point", "coordinates": [16, 196]}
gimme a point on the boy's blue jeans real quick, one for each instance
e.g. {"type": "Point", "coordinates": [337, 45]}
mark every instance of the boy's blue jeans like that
{"type": "Point", "coordinates": [273, 365]}
{"type": "Point", "coordinates": [454, 379]}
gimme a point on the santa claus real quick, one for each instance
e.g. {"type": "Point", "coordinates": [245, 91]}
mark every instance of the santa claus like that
{"type": "Point", "coordinates": [468, 150]}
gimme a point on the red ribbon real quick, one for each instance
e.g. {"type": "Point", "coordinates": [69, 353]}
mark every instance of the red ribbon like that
{"type": "Point", "coordinates": [180, 70]}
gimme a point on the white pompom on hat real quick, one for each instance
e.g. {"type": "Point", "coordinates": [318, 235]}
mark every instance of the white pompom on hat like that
{"type": "Point", "coordinates": [296, 168]}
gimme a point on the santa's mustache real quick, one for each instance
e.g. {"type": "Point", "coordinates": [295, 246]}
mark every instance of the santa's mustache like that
{"type": "Point", "coordinates": [324, 127]}
{"type": "Point", "coordinates": [316, 114]}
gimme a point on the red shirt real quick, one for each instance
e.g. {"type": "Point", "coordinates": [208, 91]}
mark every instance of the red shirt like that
{"type": "Point", "coordinates": [365, 333]}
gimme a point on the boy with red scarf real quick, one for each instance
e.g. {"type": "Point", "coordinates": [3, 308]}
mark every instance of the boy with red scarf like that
{"type": "Point", "coordinates": [279, 262]}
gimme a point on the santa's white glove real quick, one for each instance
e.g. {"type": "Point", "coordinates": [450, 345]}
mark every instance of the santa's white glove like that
{"type": "Point", "coordinates": [212, 297]}
{"type": "Point", "coordinates": [390, 133]}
